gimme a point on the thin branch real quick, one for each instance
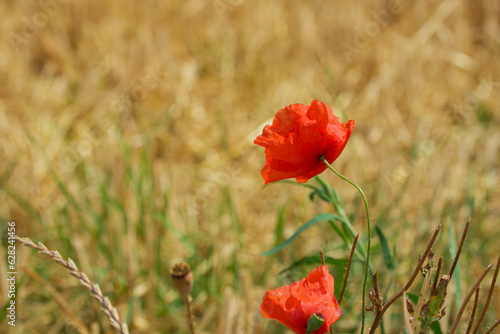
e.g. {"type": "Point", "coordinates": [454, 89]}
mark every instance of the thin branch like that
{"type": "Point", "coordinates": [466, 300]}
{"type": "Point", "coordinates": [94, 289]}
{"type": "Point", "coordinates": [493, 327]}
{"type": "Point", "coordinates": [378, 317]}
{"type": "Point", "coordinates": [488, 299]}
{"type": "Point", "coordinates": [474, 308]}
{"type": "Point", "coordinates": [436, 278]}
{"type": "Point", "coordinates": [375, 284]}
{"type": "Point", "coordinates": [464, 234]}
{"type": "Point", "coordinates": [375, 297]}
{"type": "Point", "coordinates": [354, 243]}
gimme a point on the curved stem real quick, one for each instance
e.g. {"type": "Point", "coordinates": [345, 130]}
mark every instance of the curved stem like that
{"type": "Point", "coordinates": [367, 265]}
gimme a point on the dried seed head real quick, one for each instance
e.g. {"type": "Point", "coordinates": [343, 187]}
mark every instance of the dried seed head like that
{"type": "Point", "coordinates": [182, 279]}
{"type": "Point", "coordinates": [409, 306]}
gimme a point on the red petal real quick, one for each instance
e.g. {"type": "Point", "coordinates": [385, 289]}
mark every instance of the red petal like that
{"type": "Point", "coordinates": [292, 305]}
{"type": "Point", "coordinates": [298, 137]}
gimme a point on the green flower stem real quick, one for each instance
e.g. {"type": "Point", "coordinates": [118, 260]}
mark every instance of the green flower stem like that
{"type": "Point", "coordinates": [360, 250]}
{"type": "Point", "coordinates": [367, 265]}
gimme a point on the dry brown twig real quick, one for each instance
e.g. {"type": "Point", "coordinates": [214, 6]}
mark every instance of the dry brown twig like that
{"type": "Point", "coordinates": [378, 316]}
{"type": "Point", "coordinates": [353, 248]}
{"type": "Point", "coordinates": [461, 245]}
{"type": "Point", "coordinates": [473, 314]}
{"type": "Point", "coordinates": [375, 296]}
{"type": "Point", "coordinates": [488, 299]}
{"type": "Point", "coordinates": [466, 300]}
{"type": "Point", "coordinates": [493, 327]}
{"type": "Point", "coordinates": [94, 289]}
{"type": "Point", "coordinates": [380, 310]}
{"type": "Point", "coordinates": [436, 277]}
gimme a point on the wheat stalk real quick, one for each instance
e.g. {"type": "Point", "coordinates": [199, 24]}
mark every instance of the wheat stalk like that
{"type": "Point", "coordinates": [94, 289]}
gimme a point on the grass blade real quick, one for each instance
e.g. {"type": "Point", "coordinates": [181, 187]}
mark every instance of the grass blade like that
{"type": "Point", "coordinates": [313, 221]}
{"type": "Point", "coordinates": [386, 252]}
{"type": "Point", "coordinates": [315, 259]}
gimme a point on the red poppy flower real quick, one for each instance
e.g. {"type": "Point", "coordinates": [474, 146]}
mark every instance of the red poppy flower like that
{"type": "Point", "coordinates": [293, 305]}
{"type": "Point", "coordinates": [298, 137]}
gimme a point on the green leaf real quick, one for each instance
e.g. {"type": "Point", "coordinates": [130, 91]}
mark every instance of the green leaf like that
{"type": "Point", "coordinates": [326, 192]}
{"type": "Point", "coordinates": [280, 226]}
{"type": "Point", "coordinates": [413, 297]}
{"type": "Point", "coordinates": [436, 301]}
{"type": "Point", "coordinates": [436, 328]}
{"type": "Point", "coordinates": [322, 192]}
{"type": "Point", "coordinates": [341, 233]}
{"type": "Point", "coordinates": [386, 252]}
{"type": "Point", "coordinates": [316, 260]}
{"type": "Point", "coordinates": [313, 221]}
{"type": "Point", "coordinates": [294, 183]}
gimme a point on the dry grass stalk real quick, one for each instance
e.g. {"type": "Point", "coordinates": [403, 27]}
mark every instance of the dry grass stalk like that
{"type": "Point", "coordinates": [459, 251]}
{"type": "Point", "coordinates": [477, 17]}
{"type": "Point", "coordinates": [353, 248]}
{"type": "Point", "coordinates": [488, 299]}
{"type": "Point", "coordinates": [436, 276]}
{"type": "Point", "coordinates": [493, 327]}
{"type": "Point", "coordinates": [94, 289]}
{"type": "Point", "coordinates": [70, 315]}
{"type": "Point", "coordinates": [378, 316]}
{"type": "Point", "coordinates": [473, 314]}
{"type": "Point", "coordinates": [466, 300]}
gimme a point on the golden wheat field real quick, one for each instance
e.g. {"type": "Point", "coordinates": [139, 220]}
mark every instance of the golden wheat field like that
{"type": "Point", "coordinates": [127, 128]}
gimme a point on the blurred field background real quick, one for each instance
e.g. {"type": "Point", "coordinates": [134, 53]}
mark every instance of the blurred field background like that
{"type": "Point", "coordinates": [126, 132]}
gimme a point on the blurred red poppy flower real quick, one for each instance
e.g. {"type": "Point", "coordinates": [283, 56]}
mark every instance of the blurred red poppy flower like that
{"type": "Point", "coordinates": [298, 137]}
{"type": "Point", "coordinates": [293, 305]}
